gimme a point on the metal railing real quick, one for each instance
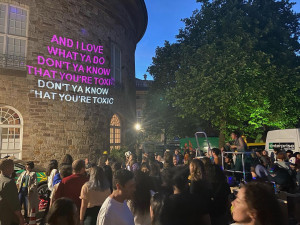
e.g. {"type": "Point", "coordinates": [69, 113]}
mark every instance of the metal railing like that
{"type": "Point", "coordinates": [243, 162]}
{"type": "Point", "coordinates": [12, 62]}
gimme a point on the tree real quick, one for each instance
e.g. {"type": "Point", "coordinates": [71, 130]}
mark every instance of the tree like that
{"type": "Point", "coordinates": [238, 66]}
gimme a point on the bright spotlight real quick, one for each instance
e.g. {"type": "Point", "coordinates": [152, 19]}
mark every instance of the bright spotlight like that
{"type": "Point", "coordinates": [138, 126]}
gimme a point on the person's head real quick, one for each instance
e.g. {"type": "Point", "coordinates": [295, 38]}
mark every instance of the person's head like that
{"type": "Point", "coordinates": [29, 166]}
{"type": "Point", "coordinates": [256, 203]}
{"type": "Point", "coordinates": [7, 167]}
{"type": "Point", "coordinates": [264, 153]}
{"type": "Point", "coordinates": [67, 159]}
{"type": "Point", "coordinates": [258, 152]}
{"type": "Point", "coordinates": [158, 158]}
{"type": "Point", "coordinates": [276, 150]}
{"type": "Point", "coordinates": [174, 160]}
{"type": "Point", "coordinates": [140, 201]}
{"type": "Point", "coordinates": [297, 155]}
{"type": "Point", "coordinates": [281, 156]}
{"type": "Point", "coordinates": [197, 171]}
{"type": "Point", "coordinates": [78, 166]}
{"type": "Point", "coordinates": [116, 166]}
{"type": "Point", "coordinates": [98, 180]}
{"type": "Point", "coordinates": [154, 169]}
{"type": "Point", "coordinates": [102, 160]}
{"type": "Point", "coordinates": [289, 153]}
{"type": "Point", "coordinates": [180, 179]}
{"type": "Point", "coordinates": [145, 167]}
{"type": "Point", "coordinates": [157, 207]}
{"type": "Point", "coordinates": [228, 158]}
{"type": "Point", "coordinates": [216, 152]}
{"type": "Point", "coordinates": [65, 170]}
{"type": "Point", "coordinates": [124, 183]}
{"type": "Point", "coordinates": [63, 212]}
{"type": "Point", "coordinates": [144, 159]}
{"type": "Point", "coordinates": [168, 159]}
{"type": "Point", "coordinates": [132, 157]}
{"type": "Point", "coordinates": [235, 135]}
{"type": "Point", "coordinates": [176, 152]}
{"type": "Point", "coordinates": [52, 165]}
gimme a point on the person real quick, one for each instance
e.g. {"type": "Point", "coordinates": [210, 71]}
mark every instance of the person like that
{"type": "Point", "coordinates": [220, 192]}
{"type": "Point", "coordinates": [63, 212]}
{"type": "Point", "coordinates": [51, 172]}
{"type": "Point", "coordinates": [261, 158]}
{"type": "Point", "coordinates": [114, 210]}
{"type": "Point", "coordinates": [133, 165]}
{"type": "Point", "coordinates": [228, 162]}
{"type": "Point", "coordinates": [281, 161]}
{"type": "Point", "coordinates": [10, 209]}
{"type": "Point", "coordinates": [140, 203]}
{"type": "Point", "coordinates": [109, 174]}
{"type": "Point", "coordinates": [182, 207]}
{"type": "Point", "coordinates": [199, 186]}
{"type": "Point", "coordinates": [157, 209]}
{"type": "Point", "coordinates": [67, 160]}
{"type": "Point", "coordinates": [238, 145]}
{"type": "Point", "coordinates": [159, 160]}
{"type": "Point", "coordinates": [93, 194]}
{"type": "Point", "coordinates": [65, 171]}
{"type": "Point", "coordinates": [27, 187]}
{"type": "Point", "coordinates": [216, 154]}
{"type": "Point", "coordinates": [70, 187]}
{"type": "Point", "coordinates": [256, 204]}
{"type": "Point", "coordinates": [179, 157]}
{"type": "Point", "coordinates": [175, 161]}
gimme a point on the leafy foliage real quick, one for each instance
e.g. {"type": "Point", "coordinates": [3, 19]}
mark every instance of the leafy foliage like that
{"type": "Point", "coordinates": [235, 64]}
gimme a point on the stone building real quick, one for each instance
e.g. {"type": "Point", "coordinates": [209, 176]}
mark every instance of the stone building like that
{"type": "Point", "coordinates": [67, 81]}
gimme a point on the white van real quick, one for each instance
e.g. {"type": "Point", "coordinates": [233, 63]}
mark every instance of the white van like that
{"type": "Point", "coordinates": [287, 139]}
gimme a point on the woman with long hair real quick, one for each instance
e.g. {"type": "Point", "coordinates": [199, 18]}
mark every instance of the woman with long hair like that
{"type": "Point", "coordinates": [220, 192]}
{"type": "Point", "coordinates": [63, 212]}
{"type": "Point", "coordinates": [67, 160]}
{"type": "Point", "coordinates": [140, 203]}
{"type": "Point", "coordinates": [157, 209]}
{"type": "Point", "coordinates": [93, 194]}
{"type": "Point", "coordinates": [256, 204]}
{"type": "Point", "coordinates": [51, 171]}
{"type": "Point", "coordinates": [199, 184]}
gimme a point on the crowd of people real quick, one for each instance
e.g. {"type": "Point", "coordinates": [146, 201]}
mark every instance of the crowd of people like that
{"type": "Point", "coordinates": [170, 189]}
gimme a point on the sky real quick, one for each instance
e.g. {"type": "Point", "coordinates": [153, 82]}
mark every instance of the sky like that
{"type": "Point", "coordinates": [164, 22]}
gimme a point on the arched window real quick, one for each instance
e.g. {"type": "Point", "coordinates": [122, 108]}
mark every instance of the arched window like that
{"type": "Point", "coordinates": [115, 132]}
{"type": "Point", "coordinates": [11, 132]}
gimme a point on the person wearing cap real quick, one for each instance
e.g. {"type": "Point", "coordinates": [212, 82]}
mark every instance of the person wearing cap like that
{"type": "Point", "coordinates": [9, 202]}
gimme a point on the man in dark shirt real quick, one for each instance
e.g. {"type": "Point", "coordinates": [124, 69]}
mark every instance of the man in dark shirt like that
{"type": "Point", "coordinates": [10, 209]}
{"type": "Point", "coordinates": [70, 187]}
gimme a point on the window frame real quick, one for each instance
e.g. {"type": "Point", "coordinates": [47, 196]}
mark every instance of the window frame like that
{"type": "Point", "coordinates": [113, 128]}
{"type": "Point", "coordinates": [19, 126]}
{"type": "Point", "coordinates": [6, 34]}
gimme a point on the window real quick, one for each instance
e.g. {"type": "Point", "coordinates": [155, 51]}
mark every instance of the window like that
{"type": "Point", "coordinates": [11, 131]}
{"type": "Point", "coordinates": [116, 63]}
{"type": "Point", "coordinates": [115, 132]}
{"type": "Point", "coordinates": [13, 36]}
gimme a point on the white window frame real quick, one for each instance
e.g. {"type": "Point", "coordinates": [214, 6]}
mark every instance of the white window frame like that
{"type": "Point", "coordinates": [113, 62]}
{"type": "Point", "coordinates": [6, 35]}
{"type": "Point", "coordinates": [20, 126]}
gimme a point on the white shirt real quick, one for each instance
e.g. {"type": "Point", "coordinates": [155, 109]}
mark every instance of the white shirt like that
{"type": "Point", "coordinates": [113, 212]}
{"type": "Point", "coordinates": [50, 179]}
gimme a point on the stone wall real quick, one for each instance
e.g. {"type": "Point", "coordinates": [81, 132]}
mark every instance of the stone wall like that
{"type": "Point", "coordinates": [53, 128]}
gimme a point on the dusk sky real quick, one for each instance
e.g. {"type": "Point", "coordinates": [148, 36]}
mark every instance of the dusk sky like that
{"type": "Point", "coordinates": [164, 22]}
